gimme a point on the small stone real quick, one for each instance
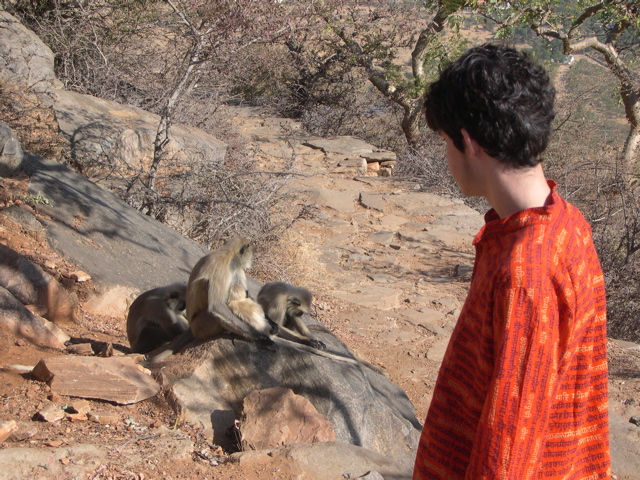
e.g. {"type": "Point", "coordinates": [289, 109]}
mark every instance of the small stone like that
{"type": "Point", "coordinates": [6, 429]}
{"type": "Point", "coordinates": [50, 265]}
{"type": "Point", "coordinates": [80, 349]}
{"type": "Point", "coordinates": [79, 406]}
{"type": "Point", "coordinates": [103, 417]}
{"type": "Point", "coordinates": [54, 443]}
{"type": "Point", "coordinates": [76, 417]}
{"type": "Point", "coordinates": [22, 432]}
{"type": "Point", "coordinates": [64, 461]}
{"type": "Point", "coordinates": [55, 398]}
{"type": "Point", "coordinates": [80, 276]}
{"type": "Point", "coordinates": [20, 342]}
{"type": "Point", "coordinates": [51, 413]}
{"type": "Point", "coordinates": [635, 420]}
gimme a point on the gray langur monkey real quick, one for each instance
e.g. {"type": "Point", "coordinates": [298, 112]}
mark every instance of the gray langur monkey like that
{"type": "Point", "coordinates": [284, 304]}
{"type": "Point", "coordinates": [208, 289]}
{"type": "Point", "coordinates": [157, 316]}
{"type": "Point", "coordinates": [207, 297]}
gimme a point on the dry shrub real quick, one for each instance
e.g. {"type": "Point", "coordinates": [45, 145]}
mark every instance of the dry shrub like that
{"type": "Point", "coordinates": [591, 179]}
{"type": "Point", "coordinates": [34, 124]}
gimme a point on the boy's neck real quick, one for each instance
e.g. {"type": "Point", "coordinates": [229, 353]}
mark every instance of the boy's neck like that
{"type": "Point", "coordinates": [512, 190]}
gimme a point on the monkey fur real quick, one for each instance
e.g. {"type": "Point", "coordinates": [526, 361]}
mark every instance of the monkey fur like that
{"type": "Point", "coordinates": [207, 297]}
{"type": "Point", "coordinates": [285, 304]}
{"type": "Point", "coordinates": [156, 317]}
{"type": "Point", "coordinates": [249, 311]}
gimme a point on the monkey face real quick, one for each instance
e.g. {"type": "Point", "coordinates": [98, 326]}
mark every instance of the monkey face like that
{"type": "Point", "coordinates": [295, 308]}
{"type": "Point", "coordinates": [246, 255]}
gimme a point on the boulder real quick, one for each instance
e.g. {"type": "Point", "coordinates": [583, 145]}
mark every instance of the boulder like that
{"type": "Point", "coordinates": [329, 460]}
{"type": "Point", "coordinates": [276, 416]}
{"type": "Point", "coordinates": [24, 58]}
{"type": "Point", "coordinates": [114, 243]}
{"type": "Point", "coordinates": [11, 154]}
{"type": "Point", "coordinates": [124, 134]}
{"type": "Point", "coordinates": [207, 384]}
{"type": "Point", "coordinates": [17, 320]}
{"type": "Point", "coordinates": [33, 286]}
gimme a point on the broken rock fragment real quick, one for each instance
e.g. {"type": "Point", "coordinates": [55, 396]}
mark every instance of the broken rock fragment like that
{"type": "Point", "coordinates": [51, 413]}
{"type": "Point", "coordinates": [277, 416]}
{"type": "Point", "coordinates": [6, 428]}
{"type": "Point", "coordinates": [114, 379]}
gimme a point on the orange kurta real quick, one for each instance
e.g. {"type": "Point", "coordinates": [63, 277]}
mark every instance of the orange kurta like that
{"type": "Point", "coordinates": [522, 390]}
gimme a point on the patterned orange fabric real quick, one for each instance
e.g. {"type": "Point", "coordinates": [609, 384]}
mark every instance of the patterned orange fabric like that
{"type": "Point", "coordinates": [522, 390]}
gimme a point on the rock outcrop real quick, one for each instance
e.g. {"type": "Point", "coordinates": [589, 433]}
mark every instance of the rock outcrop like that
{"type": "Point", "coordinates": [208, 383]}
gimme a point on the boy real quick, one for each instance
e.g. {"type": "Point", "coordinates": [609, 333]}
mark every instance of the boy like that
{"type": "Point", "coordinates": [522, 390]}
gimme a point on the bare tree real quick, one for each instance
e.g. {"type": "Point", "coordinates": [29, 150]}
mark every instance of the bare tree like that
{"type": "Point", "coordinates": [372, 31]}
{"type": "Point", "coordinates": [610, 28]}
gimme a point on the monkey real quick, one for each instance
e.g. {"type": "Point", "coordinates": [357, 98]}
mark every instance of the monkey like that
{"type": "Point", "coordinates": [285, 304]}
{"type": "Point", "coordinates": [207, 297]}
{"type": "Point", "coordinates": [249, 311]}
{"type": "Point", "coordinates": [156, 317]}
{"type": "Point", "coordinates": [208, 292]}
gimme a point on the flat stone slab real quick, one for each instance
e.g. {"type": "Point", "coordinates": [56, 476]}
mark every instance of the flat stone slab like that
{"type": "Point", "coordinates": [346, 145]}
{"type": "Point", "coordinates": [420, 204]}
{"type": "Point", "coordinates": [372, 297]}
{"type": "Point", "coordinates": [337, 200]}
{"type": "Point", "coordinates": [438, 349]}
{"type": "Point", "coordinates": [22, 462]}
{"type": "Point", "coordinates": [424, 316]}
{"type": "Point", "coordinates": [383, 238]}
{"type": "Point", "coordinates": [373, 201]}
{"type": "Point", "coordinates": [380, 156]}
{"type": "Point", "coordinates": [330, 460]}
{"type": "Point", "coordinates": [439, 234]}
{"type": "Point", "coordinates": [472, 222]}
{"type": "Point", "coordinates": [114, 379]}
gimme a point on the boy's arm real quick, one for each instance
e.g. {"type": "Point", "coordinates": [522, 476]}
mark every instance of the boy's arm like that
{"type": "Point", "coordinates": [513, 424]}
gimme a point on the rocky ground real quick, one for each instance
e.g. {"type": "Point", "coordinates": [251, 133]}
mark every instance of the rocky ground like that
{"type": "Point", "coordinates": [389, 266]}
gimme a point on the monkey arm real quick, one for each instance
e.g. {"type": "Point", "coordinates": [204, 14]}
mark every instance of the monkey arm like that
{"type": "Point", "coordinates": [174, 346]}
{"type": "Point", "coordinates": [291, 335]}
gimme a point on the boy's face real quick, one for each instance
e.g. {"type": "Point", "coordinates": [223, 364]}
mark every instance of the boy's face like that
{"type": "Point", "coordinates": [461, 169]}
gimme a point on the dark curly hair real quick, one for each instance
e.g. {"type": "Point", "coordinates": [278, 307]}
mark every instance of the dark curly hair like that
{"type": "Point", "coordinates": [499, 96]}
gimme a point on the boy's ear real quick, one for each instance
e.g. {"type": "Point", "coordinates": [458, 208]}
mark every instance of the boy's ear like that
{"type": "Point", "coordinates": [470, 145]}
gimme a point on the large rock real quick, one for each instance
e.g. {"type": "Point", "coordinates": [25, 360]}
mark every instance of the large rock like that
{"type": "Point", "coordinates": [10, 151]}
{"type": "Point", "coordinates": [33, 286]}
{"type": "Point", "coordinates": [125, 135]}
{"type": "Point", "coordinates": [328, 461]}
{"type": "Point", "coordinates": [105, 237]}
{"type": "Point", "coordinates": [24, 58]}
{"type": "Point", "coordinates": [17, 320]}
{"type": "Point", "coordinates": [95, 128]}
{"type": "Point", "coordinates": [276, 416]}
{"type": "Point", "coordinates": [207, 384]}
